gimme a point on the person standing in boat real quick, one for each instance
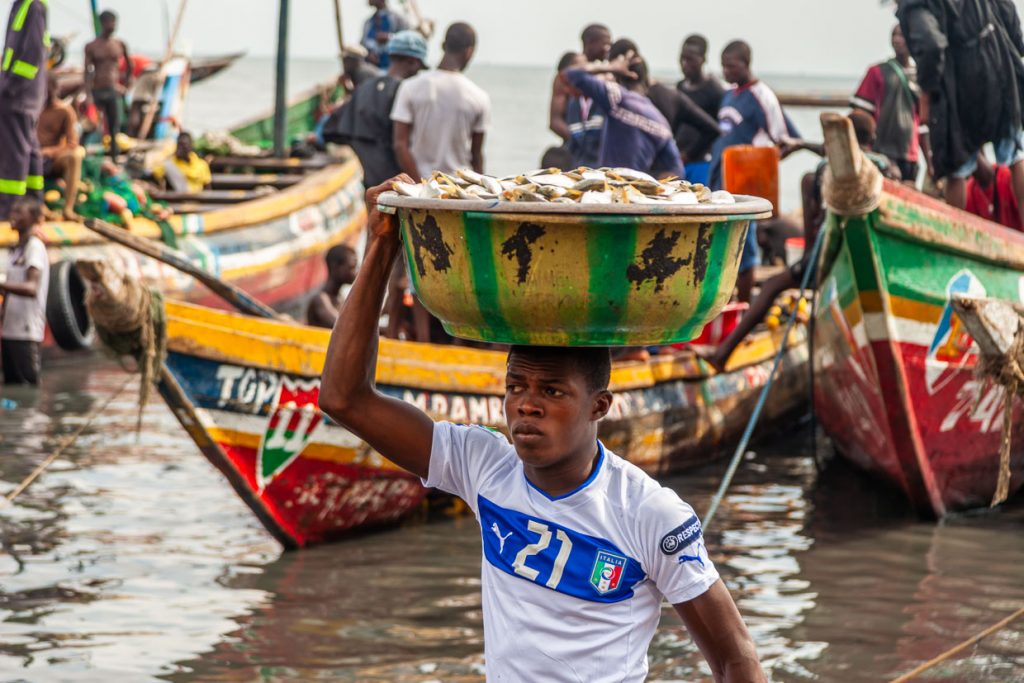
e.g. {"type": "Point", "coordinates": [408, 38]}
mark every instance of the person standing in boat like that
{"type": "Point", "coordinates": [573, 117]}
{"type": "Point", "coordinates": [706, 92]}
{"type": "Point", "coordinates": [378, 30]}
{"type": "Point", "coordinates": [342, 266]}
{"type": "Point", "coordinates": [970, 71]}
{"type": "Point", "coordinates": [104, 85]}
{"type": "Point", "coordinates": [889, 92]}
{"type": "Point", "coordinates": [750, 115]}
{"type": "Point", "coordinates": [440, 115]}
{"type": "Point", "coordinates": [24, 296]}
{"type": "Point", "coordinates": [636, 135]}
{"type": "Point", "coordinates": [580, 546]}
{"type": "Point", "coordinates": [22, 96]}
{"type": "Point", "coordinates": [364, 121]}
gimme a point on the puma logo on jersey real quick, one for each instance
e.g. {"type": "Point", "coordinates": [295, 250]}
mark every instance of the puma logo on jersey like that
{"type": "Point", "coordinates": [683, 559]}
{"type": "Point", "coordinates": [501, 539]}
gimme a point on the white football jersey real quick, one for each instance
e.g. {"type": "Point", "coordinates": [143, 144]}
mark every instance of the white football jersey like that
{"type": "Point", "coordinates": [572, 586]}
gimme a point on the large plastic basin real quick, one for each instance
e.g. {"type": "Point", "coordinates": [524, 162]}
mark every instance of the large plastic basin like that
{"type": "Point", "coordinates": [570, 274]}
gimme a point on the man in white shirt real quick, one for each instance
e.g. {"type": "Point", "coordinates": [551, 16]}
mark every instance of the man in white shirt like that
{"type": "Point", "coordinates": [24, 292]}
{"type": "Point", "coordinates": [441, 116]}
{"type": "Point", "coordinates": [579, 545]}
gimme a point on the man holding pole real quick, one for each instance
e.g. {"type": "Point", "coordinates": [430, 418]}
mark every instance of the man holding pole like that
{"type": "Point", "coordinates": [580, 547]}
{"type": "Point", "coordinates": [22, 96]}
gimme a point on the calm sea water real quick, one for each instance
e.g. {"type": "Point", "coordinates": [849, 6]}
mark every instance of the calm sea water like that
{"type": "Point", "coordinates": [131, 559]}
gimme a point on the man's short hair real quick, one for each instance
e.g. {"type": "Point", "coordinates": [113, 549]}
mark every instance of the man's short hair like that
{"type": "Point", "coordinates": [740, 50]}
{"type": "Point", "coordinates": [594, 363]}
{"type": "Point", "coordinates": [697, 42]}
{"type": "Point", "coordinates": [593, 31]}
{"type": "Point", "coordinates": [864, 127]}
{"type": "Point", "coordinates": [567, 59]}
{"type": "Point", "coordinates": [621, 47]}
{"type": "Point", "coordinates": [337, 254]}
{"type": "Point", "coordinates": [107, 15]}
{"type": "Point", "coordinates": [459, 37]}
{"type": "Point", "coordinates": [32, 205]}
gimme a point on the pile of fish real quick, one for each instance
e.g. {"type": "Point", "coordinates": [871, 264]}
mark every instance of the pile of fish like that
{"type": "Point", "coordinates": [580, 186]}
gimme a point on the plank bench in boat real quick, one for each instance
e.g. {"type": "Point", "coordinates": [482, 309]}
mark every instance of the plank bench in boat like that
{"type": "Point", "coordinates": [271, 163]}
{"type": "Point", "coordinates": [209, 196]}
{"type": "Point", "coordinates": [247, 181]}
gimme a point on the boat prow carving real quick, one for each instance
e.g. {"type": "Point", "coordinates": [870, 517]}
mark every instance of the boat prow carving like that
{"type": "Point", "coordinates": [852, 185]}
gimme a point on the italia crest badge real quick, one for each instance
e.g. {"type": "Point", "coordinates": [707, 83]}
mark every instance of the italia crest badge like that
{"type": "Point", "coordinates": [607, 573]}
{"type": "Point", "coordinates": [293, 420]}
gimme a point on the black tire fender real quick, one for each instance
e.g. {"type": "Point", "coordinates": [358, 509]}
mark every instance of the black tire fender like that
{"type": "Point", "coordinates": [66, 314]}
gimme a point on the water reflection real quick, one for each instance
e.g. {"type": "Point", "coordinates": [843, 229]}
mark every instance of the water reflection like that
{"type": "Point", "coordinates": [131, 559]}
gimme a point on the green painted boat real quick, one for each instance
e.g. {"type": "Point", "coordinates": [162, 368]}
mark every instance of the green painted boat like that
{"type": "Point", "coordinates": [896, 385]}
{"type": "Point", "coordinates": [304, 112]}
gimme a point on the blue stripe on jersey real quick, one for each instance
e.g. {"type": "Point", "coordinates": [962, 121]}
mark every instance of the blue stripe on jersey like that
{"type": "Point", "coordinates": [552, 556]}
{"type": "Point", "coordinates": [590, 479]}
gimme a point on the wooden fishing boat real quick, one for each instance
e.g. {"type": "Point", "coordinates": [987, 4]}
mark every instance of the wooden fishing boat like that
{"type": "Point", "coordinates": [896, 386]}
{"type": "Point", "coordinates": [71, 79]}
{"type": "Point", "coordinates": [246, 390]}
{"type": "Point", "coordinates": [264, 226]}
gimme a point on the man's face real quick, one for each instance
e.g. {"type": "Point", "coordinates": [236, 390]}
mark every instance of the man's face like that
{"type": "Point", "coordinates": [378, 4]}
{"type": "Point", "coordinates": [184, 146]}
{"type": "Point", "coordinates": [692, 63]}
{"type": "Point", "coordinates": [549, 409]}
{"type": "Point", "coordinates": [108, 26]}
{"type": "Point", "coordinates": [345, 270]}
{"type": "Point", "coordinates": [598, 46]}
{"type": "Point", "coordinates": [734, 69]}
{"type": "Point", "coordinates": [899, 43]}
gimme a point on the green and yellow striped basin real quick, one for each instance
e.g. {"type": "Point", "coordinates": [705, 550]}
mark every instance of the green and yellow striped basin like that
{"type": "Point", "coordinates": [570, 274]}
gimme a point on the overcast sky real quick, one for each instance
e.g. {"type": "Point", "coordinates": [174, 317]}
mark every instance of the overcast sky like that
{"type": "Point", "coordinates": [814, 37]}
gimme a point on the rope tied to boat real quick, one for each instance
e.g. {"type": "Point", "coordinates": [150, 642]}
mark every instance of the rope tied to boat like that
{"type": "Point", "coordinates": [1006, 370]}
{"type": "Point", "coordinates": [129, 319]}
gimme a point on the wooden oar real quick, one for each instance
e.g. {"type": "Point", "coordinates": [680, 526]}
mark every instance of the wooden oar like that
{"type": "Point", "coordinates": [235, 296]}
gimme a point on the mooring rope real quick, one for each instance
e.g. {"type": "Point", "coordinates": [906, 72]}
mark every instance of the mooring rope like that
{"type": "Point", "coordinates": [741, 448]}
{"type": "Point", "coordinates": [960, 648]}
{"type": "Point", "coordinates": [6, 500]}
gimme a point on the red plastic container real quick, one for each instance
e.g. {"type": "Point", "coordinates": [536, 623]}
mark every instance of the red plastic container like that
{"type": "Point", "coordinates": [720, 328]}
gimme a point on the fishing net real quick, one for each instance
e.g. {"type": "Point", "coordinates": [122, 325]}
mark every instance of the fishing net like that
{"type": "Point", "coordinates": [129, 318]}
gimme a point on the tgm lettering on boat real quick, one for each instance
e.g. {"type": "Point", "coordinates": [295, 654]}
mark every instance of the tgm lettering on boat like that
{"type": "Point", "coordinates": [951, 345]}
{"type": "Point", "coordinates": [463, 409]}
{"type": "Point", "coordinates": [977, 404]}
{"type": "Point", "coordinates": [246, 388]}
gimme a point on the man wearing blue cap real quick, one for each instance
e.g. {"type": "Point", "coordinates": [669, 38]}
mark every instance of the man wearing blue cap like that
{"type": "Point", "coordinates": [365, 120]}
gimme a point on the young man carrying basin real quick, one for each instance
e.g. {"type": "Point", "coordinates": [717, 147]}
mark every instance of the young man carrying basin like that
{"type": "Point", "coordinates": [579, 546]}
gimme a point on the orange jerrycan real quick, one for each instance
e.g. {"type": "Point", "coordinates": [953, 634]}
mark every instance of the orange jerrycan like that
{"type": "Point", "coordinates": [751, 170]}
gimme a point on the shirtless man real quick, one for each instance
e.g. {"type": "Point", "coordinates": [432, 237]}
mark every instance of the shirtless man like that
{"type": "Point", "coordinates": [58, 140]}
{"type": "Point", "coordinates": [103, 82]}
{"type": "Point", "coordinates": [342, 266]}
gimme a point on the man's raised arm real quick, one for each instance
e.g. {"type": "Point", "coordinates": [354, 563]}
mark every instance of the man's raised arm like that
{"type": "Point", "coordinates": [395, 429]}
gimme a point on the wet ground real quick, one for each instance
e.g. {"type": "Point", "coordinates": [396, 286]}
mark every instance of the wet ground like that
{"type": "Point", "coordinates": [131, 559]}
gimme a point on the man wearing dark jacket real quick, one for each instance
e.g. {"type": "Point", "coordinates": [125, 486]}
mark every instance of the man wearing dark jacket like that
{"type": "Point", "coordinates": [968, 55]}
{"type": "Point", "coordinates": [22, 96]}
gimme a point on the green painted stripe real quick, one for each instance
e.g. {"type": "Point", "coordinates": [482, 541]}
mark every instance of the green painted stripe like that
{"type": "Point", "coordinates": [484, 275]}
{"type": "Point", "coordinates": [24, 69]}
{"type": "Point", "coordinates": [19, 18]}
{"type": "Point", "coordinates": [34, 182]}
{"type": "Point", "coordinates": [717, 255]}
{"type": "Point", "coordinates": [609, 255]}
{"type": "Point", "coordinates": [858, 239]}
{"type": "Point", "coordinates": [15, 187]}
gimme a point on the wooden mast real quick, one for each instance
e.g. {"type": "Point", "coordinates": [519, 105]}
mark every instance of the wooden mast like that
{"type": "Point", "coordinates": [281, 86]}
